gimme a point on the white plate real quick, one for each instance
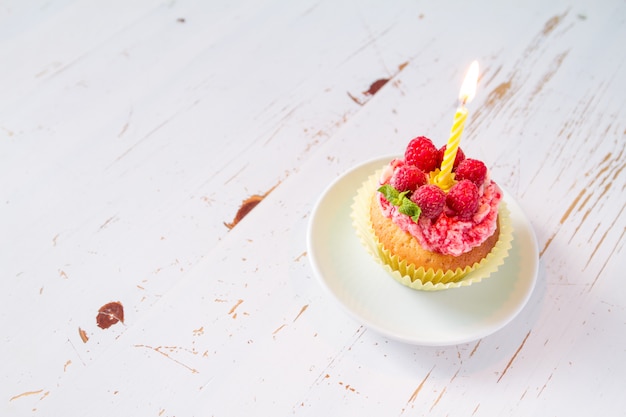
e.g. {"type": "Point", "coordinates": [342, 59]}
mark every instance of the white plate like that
{"type": "Point", "coordinates": [375, 299]}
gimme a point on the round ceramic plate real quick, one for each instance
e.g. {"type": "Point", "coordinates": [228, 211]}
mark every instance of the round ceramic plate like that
{"type": "Point", "coordinates": [370, 295]}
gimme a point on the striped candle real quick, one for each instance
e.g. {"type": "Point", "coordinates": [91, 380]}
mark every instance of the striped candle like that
{"type": "Point", "coordinates": [468, 90]}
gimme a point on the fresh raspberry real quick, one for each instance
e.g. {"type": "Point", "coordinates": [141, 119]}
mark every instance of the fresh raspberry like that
{"type": "Point", "coordinates": [473, 170]}
{"type": "Point", "coordinates": [460, 156]}
{"type": "Point", "coordinates": [430, 199]}
{"type": "Point", "coordinates": [462, 200]}
{"type": "Point", "coordinates": [408, 178]}
{"type": "Point", "coordinates": [422, 153]}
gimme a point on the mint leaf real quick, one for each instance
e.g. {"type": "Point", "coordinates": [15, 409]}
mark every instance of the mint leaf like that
{"type": "Point", "coordinates": [391, 194]}
{"type": "Point", "coordinates": [399, 199]}
{"type": "Point", "coordinates": [410, 209]}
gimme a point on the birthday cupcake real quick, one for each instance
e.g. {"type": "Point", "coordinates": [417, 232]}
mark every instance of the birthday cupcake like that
{"type": "Point", "coordinates": [431, 230]}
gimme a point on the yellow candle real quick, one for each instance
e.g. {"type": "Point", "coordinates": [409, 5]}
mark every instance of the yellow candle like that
{"type": "Point", "coordinates": [468, 90]}
{"type": "Point", "coordinates": [453, 142]}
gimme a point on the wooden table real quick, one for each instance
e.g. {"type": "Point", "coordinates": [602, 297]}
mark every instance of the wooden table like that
{"type": "Point", "coordinates": [131, 134]}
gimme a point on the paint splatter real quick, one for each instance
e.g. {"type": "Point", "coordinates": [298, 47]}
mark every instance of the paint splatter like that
{"type": "Point", "coordinates": [109, 314]}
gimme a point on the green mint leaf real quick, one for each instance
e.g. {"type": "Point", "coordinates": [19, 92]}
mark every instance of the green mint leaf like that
{"type": "Point", "coordinates": [391, 194]}
{"type": "Point", "coordinates": [399, 199]}
{"type": "Point", "coordinates": [410, 209]}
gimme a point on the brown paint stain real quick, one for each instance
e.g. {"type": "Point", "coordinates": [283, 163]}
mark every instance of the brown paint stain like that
{"type": "Point", "coordinates": [159, 351]}
{"type": "Point", "coordinates": [302, 310]}
{"type": "Point", "coordinates": [198, 332]}
{"type": "Point", "coordinates": [348, 387]}
{"type": "Point", "coordinates": [83, 335]}
{"type": "Point", "coordinates": [246, 207]}
{"type": "Point", "coordinates": [25, 394]}
{"type": "Point", "coordinates": [508, 365]}
{"type": "Point", "coordinates": [109, 314]}
{"type": "Point", "coordinates": [377, 85]}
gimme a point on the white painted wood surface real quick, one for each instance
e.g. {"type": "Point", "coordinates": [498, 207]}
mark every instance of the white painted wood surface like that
{"type": "Point", "coordinates": [131, 132]}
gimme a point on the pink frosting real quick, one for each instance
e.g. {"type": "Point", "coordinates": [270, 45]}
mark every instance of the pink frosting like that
{"type": "Point", "coordinates": [449, 235]}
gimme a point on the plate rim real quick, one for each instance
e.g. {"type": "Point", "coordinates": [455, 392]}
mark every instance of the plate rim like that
{"type": "Point", "coordinates": [371, 164]}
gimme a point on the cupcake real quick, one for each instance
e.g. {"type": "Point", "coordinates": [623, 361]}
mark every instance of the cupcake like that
{"type": "Point", "coordinates": [429, 233]}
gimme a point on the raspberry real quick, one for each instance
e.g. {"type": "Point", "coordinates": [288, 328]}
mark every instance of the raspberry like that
{"type": "Point", "coordinates": [422, 153]}
{"type": "Point", "coordinates": [430, 199]}
{"type": "Point", "coordinates": [408, 178]}
{"type": "Point", "coordinates": [462, 200]}
{"type": "Point", "coordinates": [460, 156]}
{"type": "Point", "coordinates": [473, 170]}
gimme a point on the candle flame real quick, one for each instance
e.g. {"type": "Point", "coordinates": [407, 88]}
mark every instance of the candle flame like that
{"type": "Point", "coordinates": [468, 88]}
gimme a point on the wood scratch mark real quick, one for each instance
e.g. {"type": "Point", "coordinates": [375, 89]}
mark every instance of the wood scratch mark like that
{"type": "Point", "coordinates": [324, 374]}
{"type": "Point", "coordinates": [552, 23]}
{"type": "Point", "coordinates": [106, 223]}
{"type": "Point", "coordinates": [419, 387]}
{"type": "Point", "coordinates": [545, 247]}
{"type": "Point", "coordinates": [498, 93]}
{"type": "Point", "coordinates": [475, 348]}
{"type": "Point", "coordinates": [233, 308]}
{"type": "Point", "coordinates": [508, 365]}
{"type": "Point", "coordinates": [124, 128]}
{"type": "Point", "coordinates": [302, 310]}
{"type": "Point", "coordinates": [159, 351]}
{"type": "Point", "coordinates": [438, 398]}
{"type": "Point", "coordinates": [548, 75]}
{"type": "Point", "coordinates": [476, 409]}
{"type": "Point", "coordinates": [25, 394]}
{"type": "Point", "coordinates": [68, 363]}
{"type": "Point", "coordinates": [621, 239]}
{"type": "Point", "coordinates": [544, 386]}
{"type": "Point", "coordinates": [279, 329]}
{"type": "Point", "coordinates": [302, 255]}
{"type": "Point", "coordinates": [523, 394]}
{"type": "Point", "coordinates": [572, 205]}
{"type": "Point", "coordinates": [455, 375]}
{"type": "Point", "coordinates": [150, 133]}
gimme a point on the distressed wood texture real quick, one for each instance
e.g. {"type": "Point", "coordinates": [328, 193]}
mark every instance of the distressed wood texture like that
{"type": "Point", "coordinates": [166, 156]}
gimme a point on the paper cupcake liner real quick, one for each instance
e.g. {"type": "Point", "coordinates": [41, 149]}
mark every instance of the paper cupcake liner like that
{"type": "Point", "coordinates": [417, 277]}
